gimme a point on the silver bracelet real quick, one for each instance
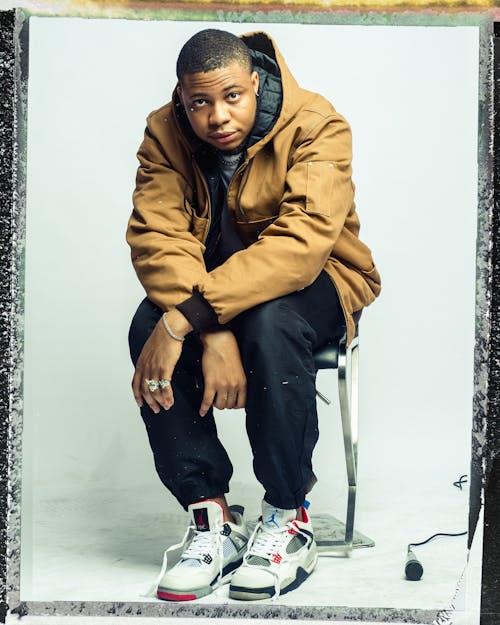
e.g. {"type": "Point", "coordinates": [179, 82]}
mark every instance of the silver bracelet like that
{"type": "Point", "coordinates": [169, 331]}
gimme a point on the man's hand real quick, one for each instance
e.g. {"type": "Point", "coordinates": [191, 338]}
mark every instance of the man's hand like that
{"type": "Point", "coordinates": [225, 380]}
{"type": "Point", "coordinates": [157, 362]}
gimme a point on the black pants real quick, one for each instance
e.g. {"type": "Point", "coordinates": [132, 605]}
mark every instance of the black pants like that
{"type": "Point", "coordinates": [276, 341]}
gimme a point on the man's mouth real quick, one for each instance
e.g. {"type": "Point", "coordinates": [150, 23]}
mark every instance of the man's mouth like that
{"type": "Point", "coordinates": [222, 137]}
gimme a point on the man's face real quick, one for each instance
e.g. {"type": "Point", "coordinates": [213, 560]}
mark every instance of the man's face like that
{"type": "Point", "coordinates": [221, 104]}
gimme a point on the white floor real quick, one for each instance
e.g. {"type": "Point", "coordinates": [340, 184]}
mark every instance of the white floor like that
{"type": "Point", "coordinates": [97, 543]}
{"type": "Point", "coordinates": [107, 546]}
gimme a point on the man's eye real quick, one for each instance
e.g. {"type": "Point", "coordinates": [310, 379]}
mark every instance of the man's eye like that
{"type": "Point", "coordinates": [199, 103]}
{"type": "Point", "coordinates": [233, 96]}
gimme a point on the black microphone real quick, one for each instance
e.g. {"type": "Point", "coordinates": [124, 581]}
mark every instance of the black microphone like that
{"type": "Point", "coordinates": [413, 569]}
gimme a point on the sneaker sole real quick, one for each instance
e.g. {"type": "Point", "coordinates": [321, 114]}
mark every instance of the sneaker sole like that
{"type": "Point", "coordinates": [190, 594]}
{"type": "Point", "coordinates": [267, 592]}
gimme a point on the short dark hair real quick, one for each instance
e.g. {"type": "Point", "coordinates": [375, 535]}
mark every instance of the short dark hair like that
{"type": "Point", "coordinates": [212, 49]}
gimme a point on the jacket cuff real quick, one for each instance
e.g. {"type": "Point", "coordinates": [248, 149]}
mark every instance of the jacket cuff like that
{"type": "Point", "coordinates": [198, 312]}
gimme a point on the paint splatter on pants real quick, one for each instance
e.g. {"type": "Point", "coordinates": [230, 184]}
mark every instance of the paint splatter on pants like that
{"type": "Point", "coordinates": [277, 340]}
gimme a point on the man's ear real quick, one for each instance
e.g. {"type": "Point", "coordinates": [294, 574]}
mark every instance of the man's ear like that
{"type": "Point", "coordinates": [255, 82]}
{"type": "Point", "coordinates": [179, 91]}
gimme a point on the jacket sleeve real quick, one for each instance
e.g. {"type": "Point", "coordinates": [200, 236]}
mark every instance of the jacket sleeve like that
{"type": "Point", "coordinates": [291, 252]}
{"type": "Point", "coordinates": [167, 256]}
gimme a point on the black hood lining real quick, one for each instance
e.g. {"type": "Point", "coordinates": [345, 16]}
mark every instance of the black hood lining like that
{"type": "Point", "coordinates": [270, 96]}
{"type": "Point", "coordinates": [260, 42]}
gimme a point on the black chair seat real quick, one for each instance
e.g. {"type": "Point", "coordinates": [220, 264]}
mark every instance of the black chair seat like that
{"type": "Point", "coordinates": [327, 357]}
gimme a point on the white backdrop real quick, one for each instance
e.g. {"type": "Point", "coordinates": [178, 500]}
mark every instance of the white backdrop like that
{"type": "Point", "coordinates": [410, 94]}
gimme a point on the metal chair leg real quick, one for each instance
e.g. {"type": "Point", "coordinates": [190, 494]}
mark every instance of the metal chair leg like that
{"type": "Point", "coordinates": [348, 396]}
{"type": "Point", "coordinates": [348, 362]}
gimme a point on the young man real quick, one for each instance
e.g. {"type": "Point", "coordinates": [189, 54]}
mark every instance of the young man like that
{"type": "Point", "coordinates": [245, 237]}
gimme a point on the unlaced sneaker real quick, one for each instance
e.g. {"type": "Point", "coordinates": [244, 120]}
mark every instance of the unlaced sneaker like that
{"type": "Point", "coordinates": [281, 555]}
{"type": "Point", "coordinates": [211, 550]}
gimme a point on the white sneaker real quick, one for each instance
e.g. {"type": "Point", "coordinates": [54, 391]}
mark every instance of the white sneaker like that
{"type": "Point", "coordinates": [213, 549]}
{"type": "Point", "coordinates": [281, 555]}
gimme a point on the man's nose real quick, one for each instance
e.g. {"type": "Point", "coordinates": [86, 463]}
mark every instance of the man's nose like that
{"type": "Point", "coordinates": [219, 114]}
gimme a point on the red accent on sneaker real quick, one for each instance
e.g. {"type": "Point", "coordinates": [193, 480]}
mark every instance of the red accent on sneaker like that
{"type": "Point", "coordinates": [277, 558]}
{"type": "Point", "coordinates": [200, 521]}
{"type": "Point", "coordinates": [303, 515]}
{"type": "Point", "coordinates": [170, 596]}
{"type": "Point", "coordinates": [293, 530]}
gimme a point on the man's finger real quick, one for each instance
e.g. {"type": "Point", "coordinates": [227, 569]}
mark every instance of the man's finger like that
{"type": "Point", "coordinates": [149, 394]}
{"type": "Point", "coordinates": [232, 398]}
{"type": "Point", "coordinates": [165, 392]}
{"type": "Point", "coordinates": [221, 399]}
{"type": "Point", "coordinates": [242, 398]}
{"type": "Point", "coordinates": [136, 390]}
{"type": "Point", "coordinates": [152, 403]}
{"type": "Point", "coordinates": [208, 399]}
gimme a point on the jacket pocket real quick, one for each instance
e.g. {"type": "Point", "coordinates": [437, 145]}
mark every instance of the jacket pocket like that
{"type": "Point", "coordinates": [319, 187]}
{"type": "Point", "coordinates": [249, 231]}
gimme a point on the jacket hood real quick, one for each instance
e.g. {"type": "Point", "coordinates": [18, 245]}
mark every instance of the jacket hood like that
{"type": "Point", "coordinates": [273, 75]}
{"type": "Point", "coordinates": [270, 96]}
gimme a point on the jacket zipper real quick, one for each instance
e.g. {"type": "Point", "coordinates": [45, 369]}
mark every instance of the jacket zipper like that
{"type": "Point", "coordinates": [207, 193]}
{"type": "Point", "coordinates": [243, 184]}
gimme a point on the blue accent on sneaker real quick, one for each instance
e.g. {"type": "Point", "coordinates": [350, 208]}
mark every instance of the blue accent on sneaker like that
{"type": "Point", "coordinates": [272, 519]}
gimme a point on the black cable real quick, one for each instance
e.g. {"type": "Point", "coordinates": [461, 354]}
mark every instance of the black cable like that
{"type": "Point", "coordinates": [460, 481]}
{"type": "Point", "coordinates": [434, 536]}
{"type": "Point", "coordinates": [413, 568]}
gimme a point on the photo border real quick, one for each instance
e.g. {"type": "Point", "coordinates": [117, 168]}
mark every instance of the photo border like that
{"type": "Point", "coordinates": [14, 51]}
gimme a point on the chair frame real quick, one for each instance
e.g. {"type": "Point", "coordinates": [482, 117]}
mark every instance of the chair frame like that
{"type": "Point", "coordinates": [348, 380]}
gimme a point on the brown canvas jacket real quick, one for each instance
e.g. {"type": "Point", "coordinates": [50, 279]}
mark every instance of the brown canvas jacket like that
{"type": "Point", "coordinates": [291, 200]}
